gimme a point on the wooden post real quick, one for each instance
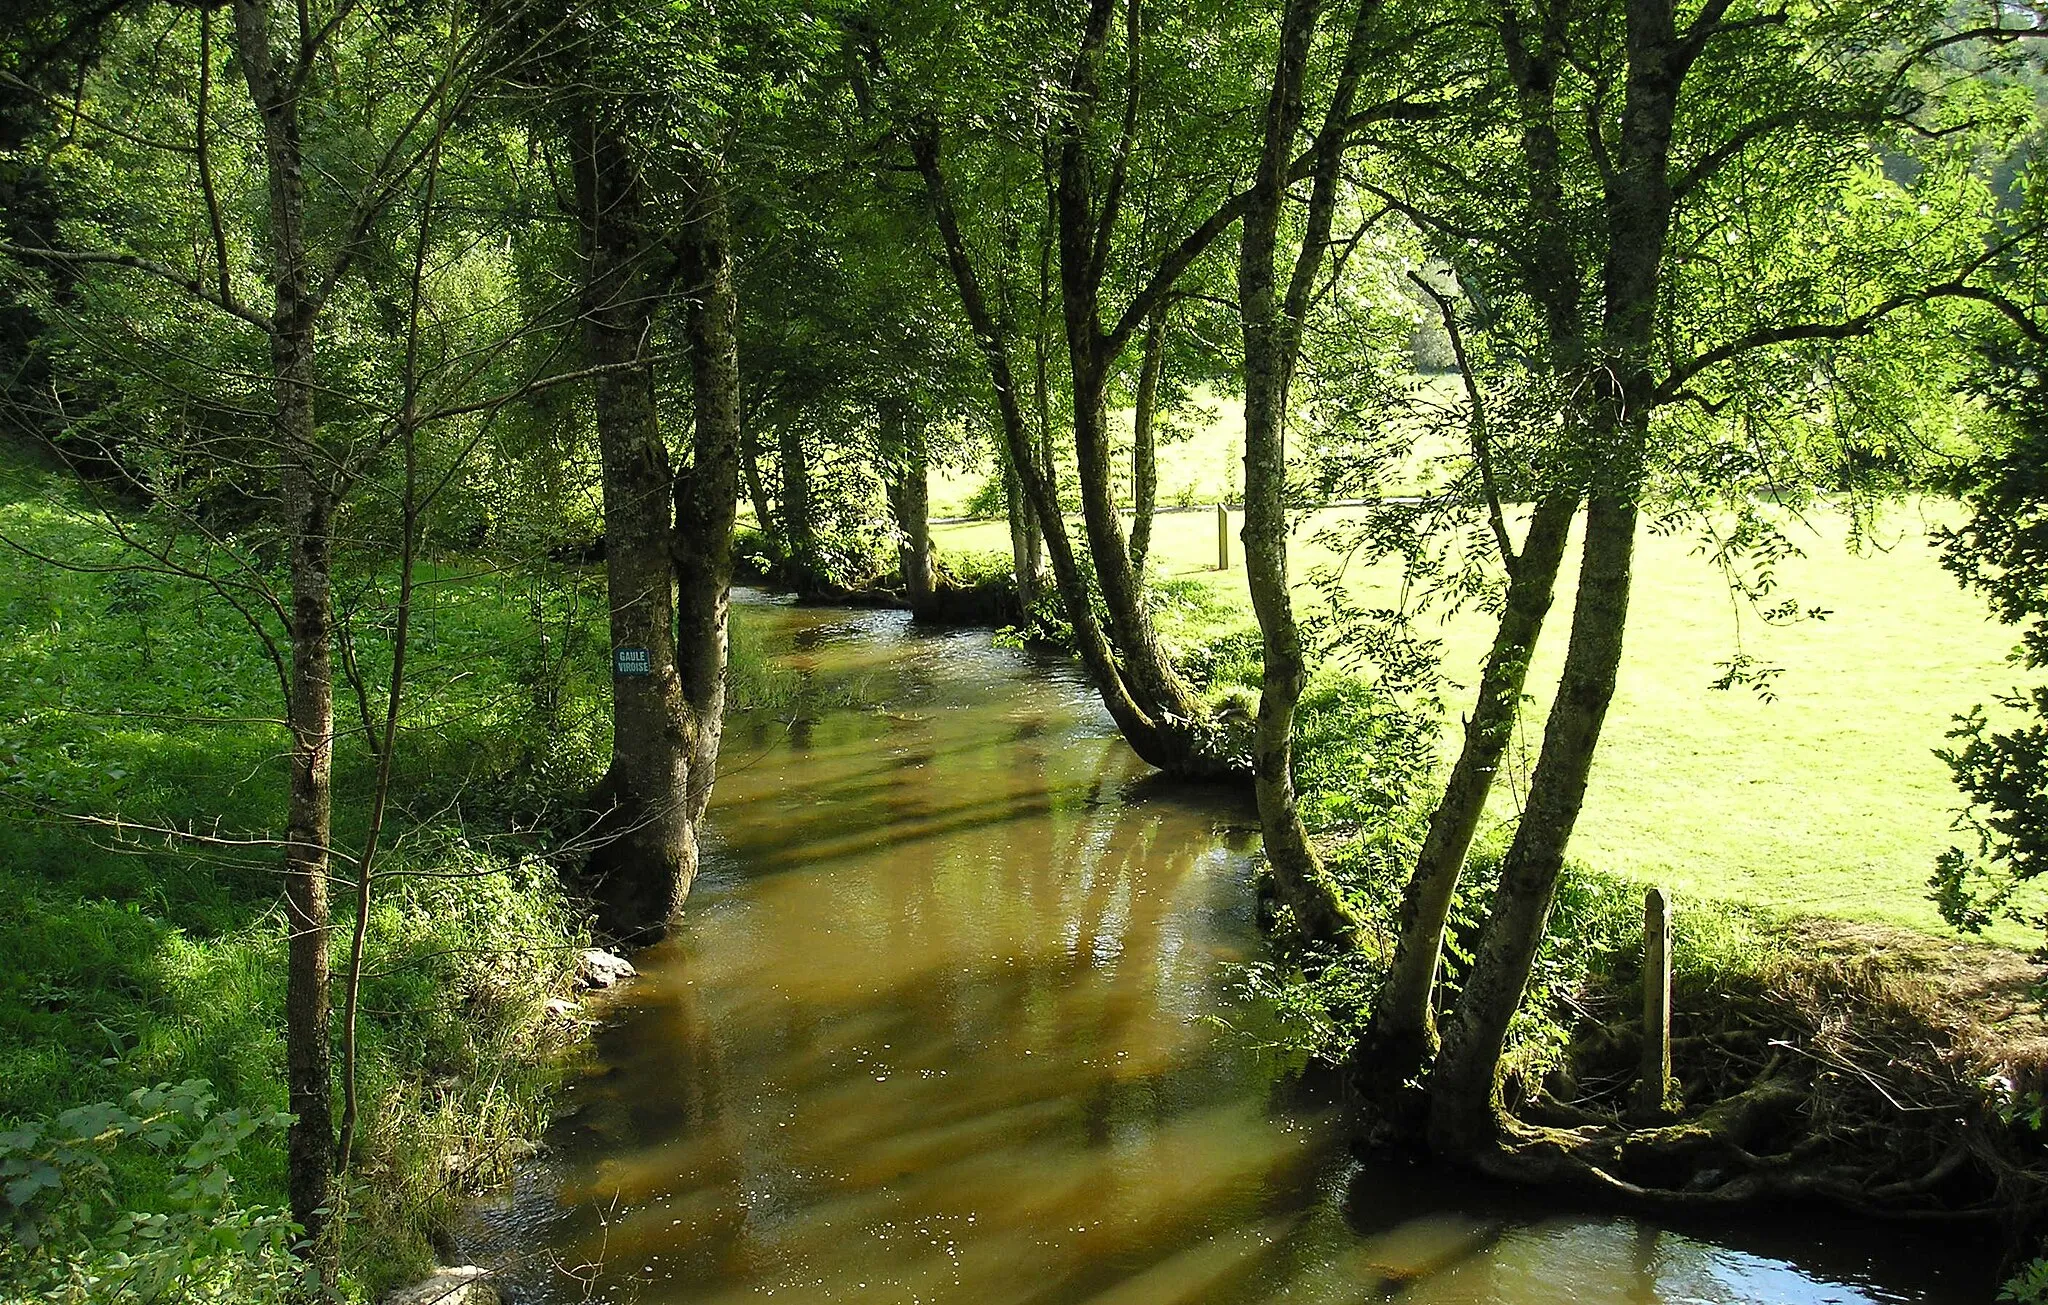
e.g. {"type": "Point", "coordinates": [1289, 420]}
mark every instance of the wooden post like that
{"type": "Point", "coordinates": [1222, 537]}
{"type": "Point", "coordinates": [1653, 1094]}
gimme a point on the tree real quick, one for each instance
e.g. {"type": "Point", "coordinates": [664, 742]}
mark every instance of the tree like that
{"type": "Point", "coordinates": [1273, 320]}
{"type": "Point", "coordinates": [214, 301]}
{"type": "Point", "coordinates": [1668, 131]}
{"type": "Point", "coordinates": [1114, 228]}
{"type": "Point", "coordinates": [650, 201]}
{"type": "Point", "coordinates": [2002, 553]}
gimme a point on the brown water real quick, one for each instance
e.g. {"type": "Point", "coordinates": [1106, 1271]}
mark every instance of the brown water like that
{"type": "Point", "coordinates": [951, 1019]}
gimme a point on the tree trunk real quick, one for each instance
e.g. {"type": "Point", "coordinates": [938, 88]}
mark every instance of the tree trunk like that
{"type": "Point", "coordinates": [909, 494]}
{"type": "Point", "coordinates": [757, 489]}
{"type": "Point", "coordinates": [1464, 1091]}
{"type": "Point", "coordinates": [1272, 324]}
{"type": "Point", "coordinates": [1138, 728]}
{"type": "Point", "coordinates": [1023, 538]}
{"type": "Point", "coordinates": [796, 511]}
{"type": "Point", "coordinates": [1403, 1035]}
{"type": "Point", "coordinates": [647, 849]}
{"type": "Point", "coordinates": [309, 521]}
{"type": "Point", "coordinates": [1144, 463]}
{"type": "Point", "coordinates": [707, 497]}
{"type": "Point", "coordinates": [1151, 676]}
{"type": "Point", "coordinates": [308, 825]}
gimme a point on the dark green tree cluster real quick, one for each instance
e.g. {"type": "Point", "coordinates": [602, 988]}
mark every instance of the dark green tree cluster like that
{"type": "Point", "coordinates": [324, 289]}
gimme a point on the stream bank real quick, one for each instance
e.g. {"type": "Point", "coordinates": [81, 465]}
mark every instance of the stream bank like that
{"type": "Point", "coordinates": [958, 1012]}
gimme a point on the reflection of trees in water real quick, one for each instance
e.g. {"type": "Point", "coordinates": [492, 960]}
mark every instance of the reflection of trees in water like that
{"type": "Point", "coordinates": [940, 978]}
{"type": "Point", "coordinates": [956, 971]}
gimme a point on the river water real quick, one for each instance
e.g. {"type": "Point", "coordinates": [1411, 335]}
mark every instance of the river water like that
{"type": "Point", "coordinates": [956, 1016]}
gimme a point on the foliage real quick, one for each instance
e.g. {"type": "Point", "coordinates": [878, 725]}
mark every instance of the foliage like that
{"type": "Point", "coordinates": [2029, 1286]}
{"type": "Point", "coordinates": [71, 1240]}
{"type": "Point", "coordinates": [133, 956]}
{"type": "Point", "coordinates": [2001, 552]}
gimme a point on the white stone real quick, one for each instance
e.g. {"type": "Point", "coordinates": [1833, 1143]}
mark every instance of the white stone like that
{"type": "Point", "coordinates": [464, 1284]}
{"type": "Point", "coordinates": [597, 968]}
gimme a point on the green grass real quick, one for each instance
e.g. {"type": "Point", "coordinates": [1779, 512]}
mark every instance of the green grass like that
{"type": "Point", "coordinates": [1828, 800]}
{"type": "Point", "coordinates": [130, 959]}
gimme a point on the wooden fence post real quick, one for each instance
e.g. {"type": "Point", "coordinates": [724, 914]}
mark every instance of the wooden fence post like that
{"type": "Point", "coordinates": [1222, 537]}
{"type": "Point", "coordinates": [1653, 1094]}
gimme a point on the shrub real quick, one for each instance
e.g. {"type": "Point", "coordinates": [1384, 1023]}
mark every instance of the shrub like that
{"type": "Point", "coordinates": [62, 1184]}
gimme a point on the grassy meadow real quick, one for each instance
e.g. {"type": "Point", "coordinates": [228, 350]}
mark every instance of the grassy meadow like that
{"type": "Point", "coordinates": [1827, 799]}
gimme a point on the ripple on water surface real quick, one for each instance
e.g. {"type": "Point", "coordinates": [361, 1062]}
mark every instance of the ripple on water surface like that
{"type": "Point", "coordinates": [950, 1020]}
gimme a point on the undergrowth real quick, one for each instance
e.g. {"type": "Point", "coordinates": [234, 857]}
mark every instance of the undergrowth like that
{"type": "Point", "coordinates": [141, 771]}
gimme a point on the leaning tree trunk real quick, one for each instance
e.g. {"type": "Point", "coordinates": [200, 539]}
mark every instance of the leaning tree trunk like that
{"type": "Point", "coordinates": [1144, 458]}
{"type": "Point", "coordinates": [309, 522]}
{"type": "Point", "coordinates": [1464, 1089]}
{"type": "Point", "coordinates": [1145, 734]}
{"type": "Point", "coordinates": [1149, 672]}
{"type": "Point", "coordinates": [646, 848]}
{"type": "Point", "coordinates": [707, 497]}
{"type": "Point", "coordinates": [1272, 323]}
{"type": "Point", "coordinates": [1403, 1036]}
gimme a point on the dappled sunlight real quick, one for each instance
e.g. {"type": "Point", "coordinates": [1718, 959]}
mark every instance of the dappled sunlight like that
{"type": "Point", "coordinates": [940, 1025]}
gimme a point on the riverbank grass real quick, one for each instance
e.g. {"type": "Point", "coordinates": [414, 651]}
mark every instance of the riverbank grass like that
{"type": "Point", "coordinates": [1823, 798]}
{"type": "Point", "coordinates": [132, 706]}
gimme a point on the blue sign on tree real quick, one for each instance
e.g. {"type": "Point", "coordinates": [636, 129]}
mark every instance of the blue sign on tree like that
{"type": "Point", "coordinates": [632, 661]}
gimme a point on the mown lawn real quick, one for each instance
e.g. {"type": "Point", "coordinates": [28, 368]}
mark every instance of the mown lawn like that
{"type": "Point", "coordinates": [1828, 799]}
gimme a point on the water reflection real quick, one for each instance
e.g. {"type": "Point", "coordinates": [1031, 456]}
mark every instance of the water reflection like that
{"type": "Point", "coordinates": [946, 1023]}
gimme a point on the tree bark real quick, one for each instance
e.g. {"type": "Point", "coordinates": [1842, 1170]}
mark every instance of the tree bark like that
{"type": "Point", "coordinates": [308, 501]}
{"type": "Point", "coordinates": [1085, 224]}
{"type": "Point", "coordinates": [1464, 1090]}
{"type": "Point", "coordinates": [1024, 544]}
{"type": "Point", "coordinates": [1403, 1036]}
{"type": "Point", "coordinates": [757, 489]}
{"type": "Point", "coordinates": [801, 540]}
{"type": "Point", "coordinates": [647, 847]}
{"type": "Point", "coordinates": [1144, 459]}
{"type": "Point", "coordinates": [909, 492]}
{"type": "Point", "coordinates": [1272, 322]}
{"type": "Point", "coordinates": [707, 497]}
{"type": "Point", "coordinates": [1138, 728]}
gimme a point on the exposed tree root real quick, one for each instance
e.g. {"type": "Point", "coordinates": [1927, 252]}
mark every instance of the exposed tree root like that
{"type": "Point", "coordinates": [1838, 1079]}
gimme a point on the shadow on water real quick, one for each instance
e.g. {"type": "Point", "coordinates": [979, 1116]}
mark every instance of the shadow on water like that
{"type": "Point", "coordinates": [950, 1019]}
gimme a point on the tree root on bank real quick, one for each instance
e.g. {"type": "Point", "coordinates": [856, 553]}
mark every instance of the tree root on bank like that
{"type": "Point", "coordinates": [1722, 1175]}
{"type": "Point", "coordinates": [1821, 1080]}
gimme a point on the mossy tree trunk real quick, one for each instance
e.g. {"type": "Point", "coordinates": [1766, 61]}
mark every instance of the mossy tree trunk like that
{"type": "Point", "coordinates": [308, 500]}
{"type": "Point", "coordinates": [1272, 318]}
{"type": "Point", "coordinates": [1024, 540]}
{"type": "Point", "coordinates": [1638, 198]}
{"type": "Point", "coordinates": [1138, 727]}
{"type": "Point", "coordinates": [798, 533]}
{"type": "Point", "coordinates": [648, 848]}
{"type": "Point", "coordinates": [1403, 1036]}
{"type": "Point", "coordinates": [907, 471]}
{"type": "Point", "coordinates": [757, 487]}
{"type": "Point", "coordinates": [1084, 214]}
{"type": "Point", "coordinates": [1464, 1089]}
{"type": "Point", "coordinates": [1144, 442]}
{"type": "Point", "coordinates": [707, 493]}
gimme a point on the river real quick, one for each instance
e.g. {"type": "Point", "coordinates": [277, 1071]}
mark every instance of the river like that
{"type": "Point", "coordinates": [956, 1015]}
